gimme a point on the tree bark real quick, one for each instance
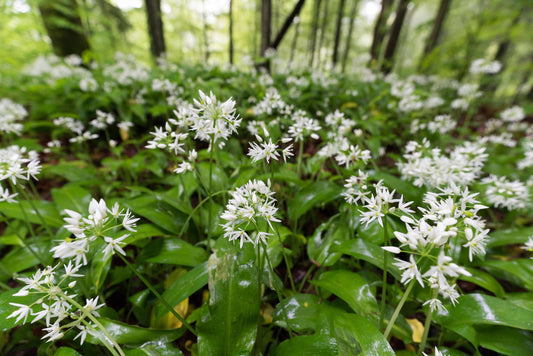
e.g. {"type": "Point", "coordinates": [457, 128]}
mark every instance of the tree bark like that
{"type": "Point", "coordinates": [64, 27]}
{"type": "Point", "coordinates": [379, 32]}
{"type": "Point", "coordinates": [266, 29]}
{"type": "Point", "coordinates": [314, 30]}
{"type": "Point", "coordinates": [323, 31]}
{"type": "Point", "coordinates": [294, 40]}
{"type": "Point", "coordinates": [350, 32]}
{"type": "Point", "coordinates": [155, 27]}
{"type": "Point", "coordinates": [434, 36]}
{"type": "Point", "coordinates": [230, 31]}
{"type": "Point", "coordinates": [337, 35]}
{"type": "Point", "coordinates": [288, 21]}
{"type": "Point", "coordinates": [396, 28]}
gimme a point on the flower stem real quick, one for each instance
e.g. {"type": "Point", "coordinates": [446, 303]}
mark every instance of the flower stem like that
{"type": "Point", "coordinates": [159, 296]}
{"type": "Point", "coordinates": [427, 326]}
{"type": "Point", "coordinates": [300, 157]}
{"type": "Point", "coordinates": [97, 323]}
{"type": "Point", "coordinates": [384, 282]}
{"type": "Point", "coordinates": [392, 320]}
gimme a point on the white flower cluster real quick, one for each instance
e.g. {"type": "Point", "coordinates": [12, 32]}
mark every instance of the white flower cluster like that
{"type": "Point", "coordinates": [303, 126]}
{"type": "Point", "coordinates": [527, 161]}
{"type": "Point", "coordinates": [503, 193]}
{"type": "Point", "coordinates": [467, 93]}
{"type": "Point", "coordinates": [10, 113]}
{"type": "Point", "coordinates": [101, 223]}
{"type": "Point", "coordinates": [102, 120]}
{"type": "Point", "coordinates": [269, 150]}
{"type": "Point", "coordinates": [248, 205]}
{"type": "Point", "coordinates": [55, 305]}
{"type": "Point", "coordinates": [338, 124]}
{"type": "Point", "coordinates": [270, 103]}
{"type": "Point", "coordinates": [52, 68]}
{"type": "Point", "coordinates": [513, 114]}
{"type": "Point", "coordinates": [482, 65]}
{"type": "Point", "coordinates": [348, 155]}
{"type": "Point", "coordinates": [126, 70]}
{"type": "Point", "coordinates": [528, 246]}
{"type": "Point", "coordinates": [356, 188]}
{"type": "Point", "coordinates": [450, 214]}
{"type": "Point", "coordinates": [432, 168]}
{"type": "Point", "coordinates": [17, 164]}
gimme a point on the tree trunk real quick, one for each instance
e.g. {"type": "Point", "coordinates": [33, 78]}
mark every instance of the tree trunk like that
{"type": "Point", "coordinates": [230, 31]}
{"type": "Point", "coordinates": [314, 30]}
{"type": "Point", "coordinates": [155, 27]}
{"type": "Point", "coordinates": [350, 32]}
{"type": "Point", "coordinates": [379, 32]}
{"type": "Point", "coordinates": [294, 40]}
{"type": "Point", "coordinates": [337, 35]}
{"type": "Point", "coordinates": [266, 29]}
{"type": "Point", "coordinates": [322, 31]}
{"type": "Point", "coordinates": [288, 21]}
{"type": "Point", "coordinates": [396, 28]}
{"type": "Point", "coordinates": [438, 23]}
{"type": "Point", "coordinates": [205, 29]}
{"type": "Point", "coordinates": [64, 27]}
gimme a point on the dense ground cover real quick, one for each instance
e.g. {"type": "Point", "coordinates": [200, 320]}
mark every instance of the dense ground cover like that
{"type": "Point", "coordinates": [221, 211]}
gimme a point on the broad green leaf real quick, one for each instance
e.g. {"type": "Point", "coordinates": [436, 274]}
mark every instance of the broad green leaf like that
{"type": "Point", "coordinates": [524, 300]}
{"type": "Point", "coordinates": [484, 280]}
{"type": "Point", "coordinates": [359, 336]}
{"type": "Point", "coordinates": [46, 209]}
{"type": "Point", "coordinates": [184, 287]}
{"type": "Point", "coordinates": [71, 197]}
{"type": "Point", "coordinates": [154, 349]}
{"type": "Point", "coordinates": [20, 258]}
{"type": "Point", "coordinates": [366, 251]}
{"type": "Point", "coordinates": [144, 231]}
{"type": "Point", "coordinates": [483, 309]}
{"type": "Point", "coordinates": [100, 267]}
{"type": "Point", "coordinates": [325, 236]}
{"type": "Point", "coordinates": [66, 351]}
{"type": "Point", "coordinates": [519, 272]}
{"type": "Point", "coordinates": [408, 190]}
{"type": "Point", "coordinates": [313, 194]}
{"type": "Point", "coordinates": [6, 309]}
{"type": "Point", "coordinates": [173, 250]}
{"type": "Point", "coordinates": [158, 212]}
{"type": "Point", "coordinates": [134, 335]}
{"type": "Point", "coordinates": [219, 179]}
{"type": "Point", "coordinates": [509, 236]}
{"type": "Point", "coordinates": [322, 345]}
{"type": "Point", "coordinates": [74, 171]}
{"type": "Point", "coordinates": [351, 288]}
{"type": "Point", "coordinates": [229, 326]}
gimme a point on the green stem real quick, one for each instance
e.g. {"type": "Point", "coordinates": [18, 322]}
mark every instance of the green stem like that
{"type": "Point", "coordinates": [289, 273]}
{"type": "Point", "coordinates": [97, 323]}
{"type": "Point", "coordinates": [46, 226]}
{"type": "Point", "coordinates": [427, 326]}
{"type": "Point", "coordinates": [307, 274]}
{"type": "Point", "coordinates": [158, 295]}
{"type": "Point", "coordinates": [300, 157]}
{"type": "Point", "coordinates": [209, 211]}
{"type": "Point", "coordinates": [196, 208]}
{"type": "Point", "coordinates": [384, 282]}
{"type": "Point", "coordinates": [399, 308]}
{"type": "Point", "coordinates": [265, 251]}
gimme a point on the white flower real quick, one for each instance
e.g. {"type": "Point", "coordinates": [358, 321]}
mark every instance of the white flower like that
{"type": "Point", "coordinates": [410, 270]}
{"type": "Point", "coordinates": [114, 245]}
{"type": "Point", "coordinates": [53, 332]}
{"type": "Point", "coordinates": [91, 305]}
{"type": "Point", "coordinates": [21, 313]}
{"type": "Point", "coordinates": [265, 150]}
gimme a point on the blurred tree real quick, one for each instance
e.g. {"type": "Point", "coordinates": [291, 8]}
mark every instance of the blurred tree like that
{"type": "Point", "coordinates": [314, 30]}
{"type": "Point", "coordinates": [294, 39]}
{"type": "Point", "coordinates": [323, 31]}
{"type": "Point", "coordinates": [380, 30]}
{"type": "Point", "coordinates": [337, 40]}
{"type": "Point", "coordinates": [395, 30]}
{"type": "Point", "coordinates": [266, 30]}
{"type": "Point", "coordinates": [434, 36]}
{"type": "Point", "coordinates": [155, 27]}
{"type": "Point", "coordinates": [353, 12]}
{"type": "Point", "coordinates": [64, 27]}
{"type": "Point", "coordinates": [230, 15]}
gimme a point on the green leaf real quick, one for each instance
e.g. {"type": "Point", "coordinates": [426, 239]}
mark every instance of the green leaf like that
{"type": "Point", "coordinates": [229, 326]}
{"type": "Point", "coordinates": [366, 251]}
{"type": "Point", "coordinates": [71, 197]}
{"type": "Point", "coordinates": [351, 288]}
{"type": "Point", "coordinates": [325, 236]}
{"type": "Point", "coordinates": [100, 267]}
{"type": "Point", "coordinates": [407, 189]}
{"type": "Point", "coordinates": [74, 171]}
{"type": "Point", "coordinates": [20, 258]}
{"type": "Point", "coordinates": [6, 309]}
{"type": "Point", "coordinates": [158, 212]}
{"type": "Point", "coordinates": [308, 345]}
{"type": "Point", "coordinates": [359, 336]}
{"type": "Point", "coordinates": [519, 272]}
{"type": "Point", "coordinates": [484, 280]}
{"type": "Point", "coordinates": [27, 212]}
{"type": "Point", "coordinates": [129, 334]}
{"type": "Point", "coordinates": [311, 195]}
{"type": "Point", "coordinates": [184, 287]}
{"type": "Point", "coordinates": [154, 349]}
{"type": "Point", "coordinates": [66, 351]}
{"type": "Point", "coordinates": [173, 250]}
{"type": "Point", "coordinates": [509, 236]}
{"type": "Point", "coordinates": [524, 300]}
{"type": "Point", "coordinates": [483, 309]}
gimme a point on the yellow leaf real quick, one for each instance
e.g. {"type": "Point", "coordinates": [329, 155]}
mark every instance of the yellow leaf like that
{"type": "Point", "coordinates": [169, 321]}
{"type": "Point", "coordinates": [418, 329]}
{"type": "Point", "coordinates": [266, 313]}
{"type": "Point", "coordinates": [250, 111]}
{"type": "Point", "coordinates": [348, 105]}
{"type": "Point", "coordinates": [124, 134]}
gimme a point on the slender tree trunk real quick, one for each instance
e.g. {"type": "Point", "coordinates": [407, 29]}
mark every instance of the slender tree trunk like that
{"type": "Point", "coordinates": [205, 30]}
{"type": "Point", "coordinates": [314, 30]}
{"type": "Point", "coordinates": [350, 32]}
{"type": "Point", "coordinates": [322, 32]}
{"type": "Point", "coordinates": [396, 28]}
{"type": "Point", "coordinates": [294, 40]}
{"type": "Point", "coordinates": [379, 32]}
{"type": "Point", "coordinates": [337, 35]}
{"type": "Point", "coordinates": [155, 27]}
{"type": "Point", "coordinates": [64, 27]}
{"type": "Point", "coordinates": [266, 29]}
{"type": "Point", "coordinates": [287, 23]}
{"type": "Point", "coordinates": [230, 31]}
{"type": "Point", "coordinates": [434, 36]}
